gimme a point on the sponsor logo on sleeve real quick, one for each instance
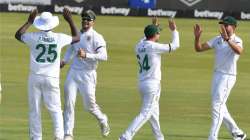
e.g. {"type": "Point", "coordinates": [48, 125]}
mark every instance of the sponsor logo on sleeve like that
{"type": "Point", "coordinates": [208, 14]}
{"type": "Point", "coordinates": [190, 3]}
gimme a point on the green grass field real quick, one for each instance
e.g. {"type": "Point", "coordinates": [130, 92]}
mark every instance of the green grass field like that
{"type": "Point", "coordinates": [186, 78]}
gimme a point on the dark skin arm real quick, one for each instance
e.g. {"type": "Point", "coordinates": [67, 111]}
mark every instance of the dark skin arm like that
{"type": "Point", "coordinates": [26, 25]}
{"type": "Point", "coordinates": [234, 46]}
{"type": "Point", "coordinates": [68, 17]}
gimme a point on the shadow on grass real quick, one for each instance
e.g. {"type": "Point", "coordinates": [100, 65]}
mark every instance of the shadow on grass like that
{"type": "Point", "coordinates": [192, 136]}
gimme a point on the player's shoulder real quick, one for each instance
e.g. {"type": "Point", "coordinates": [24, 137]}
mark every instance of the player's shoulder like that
{"type": "Point", "coordinates": [237, 38]}
{"type": "Point", "coordinates": [32, 34]}
{"type": "Point", "coordinates": [28, 36]}
{"type": "Point", "coordinates": [215, 39]}
{"type": "Point", "coordinates": [218, 37]}
{"type": "Point", "coordinates": [61, 35]}
{"type": "Point", "coordinates": [97, 34]}
{"type": "Point", "coordinates": [154, 44]}
{"type": "Point", "coordinates": [148, 45]}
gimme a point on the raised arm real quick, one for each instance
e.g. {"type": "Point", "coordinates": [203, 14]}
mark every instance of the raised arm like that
{"type": "Point", "coordinates": [175, 43]}
{"type": "Point", "coordinates": [74, 32]}
{"type": "Point", "coordinates": [234, 46]}
{"type": "Point", "coordinates": [175, 35]}
{"type": "Point", "coordinates": [26, 25]}
{"type": "Point", "coordinates": [197, 45]}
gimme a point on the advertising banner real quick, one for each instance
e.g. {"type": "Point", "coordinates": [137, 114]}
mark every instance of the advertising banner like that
{"type": "Point", "coordinates": [32, 2]}
{"type": "Point", "coordinates": [211, 9]}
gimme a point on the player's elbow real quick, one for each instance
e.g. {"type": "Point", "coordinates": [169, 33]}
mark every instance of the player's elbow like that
{"type": "Point", "coordinates": [198, 50]}
{"type": "Point", "coordinates": [75, 39]}
{"type": "Point", "coordinates": [239, 52]}
{"type": "Point", "coordinates": [104, 58]}
{"type": "Point", "coordinates": [18, 36]}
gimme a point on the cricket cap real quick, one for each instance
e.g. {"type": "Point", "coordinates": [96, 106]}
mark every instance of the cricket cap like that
{"type": "Point", "coordinates": [151, 30]}
{"type": "Point", "coordinates": [88, 15]}
{"type": "Point", "coordinates": [229, 20]}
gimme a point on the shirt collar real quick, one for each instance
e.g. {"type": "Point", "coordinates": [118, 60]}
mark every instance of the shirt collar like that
{"type": "Point", "coordinates": [88, 31]}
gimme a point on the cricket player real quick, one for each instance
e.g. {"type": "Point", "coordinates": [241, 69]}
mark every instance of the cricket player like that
{"type": "Point", "coordinates": [45, 48]}
{"type": "Point", "coordinates": [148, 52]}
{"type": "Point", "coordinates": [228, 47]}
{"type": "Point", "coordinates": [82, 75]}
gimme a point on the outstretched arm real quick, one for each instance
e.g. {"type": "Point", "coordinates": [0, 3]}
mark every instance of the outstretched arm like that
{"type": "Point", "coordinates": [197, 45]}
{"type": "Point", "coordinates": [68, 17]}
{"type": "Point", "coordinates": [26, 25]}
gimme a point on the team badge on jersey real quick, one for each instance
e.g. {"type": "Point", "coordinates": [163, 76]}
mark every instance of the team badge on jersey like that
{"type": "Point", "coordinates": [88, 38]}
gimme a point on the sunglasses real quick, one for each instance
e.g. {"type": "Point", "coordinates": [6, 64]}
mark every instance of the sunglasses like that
{"type": "Point", "coordinates": [86, 19]}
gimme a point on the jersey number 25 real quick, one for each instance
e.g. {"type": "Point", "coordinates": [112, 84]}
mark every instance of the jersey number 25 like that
{"type": "Point", "coordinates": [48, 55]}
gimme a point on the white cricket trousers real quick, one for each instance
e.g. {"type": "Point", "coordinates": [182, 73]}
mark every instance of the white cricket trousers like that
{"type": "Point", "coordinates": [46, 89]}
{"type": "Point", "coordinates": [150, 94]}
{"type": "Point", "coordinates": [84, 82]}
{"type": "Point", "coordinates": [221, 87]}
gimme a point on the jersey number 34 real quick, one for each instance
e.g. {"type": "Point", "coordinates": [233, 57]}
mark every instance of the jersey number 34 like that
{"type": "Point", "coordinates": [144, 65]}
{"type": "Point", "coordinates": [47, 54]}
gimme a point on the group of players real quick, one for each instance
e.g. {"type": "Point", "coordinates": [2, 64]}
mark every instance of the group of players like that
{"type": "Point", "coordinates": [87, 47]}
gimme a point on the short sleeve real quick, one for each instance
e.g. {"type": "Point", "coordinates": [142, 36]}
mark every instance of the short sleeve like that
{"type": "Point", "coordinates": [211, 43]}
{"type": "Point", "coordinates": [64, 40]}
{"type": "Point", "coordinates": [99, 42]}
{"type": "Point", "coordinates": [27, 38]}
{"type": "Point", "coordinates": [239, 42]}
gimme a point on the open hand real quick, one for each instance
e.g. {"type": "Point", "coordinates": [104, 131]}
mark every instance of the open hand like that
{"type": "Point", "coordinates": [197, 31]}
{"type": "Point", "coordinates": [32, 16]}
{"type": "Point", "coordinates": [224, 33]}
{"type": "Point", "coordinates": [81, 53]}
{"type": "Point", "coordinates": [67, 15]}
{"type": "Point", "coordinates": [171, 24]}
{"type": "Point", "coordinates": [155, 21]}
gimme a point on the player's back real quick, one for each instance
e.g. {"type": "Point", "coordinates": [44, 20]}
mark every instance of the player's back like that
{"type": "Point", "coordinates": [45, 50]}
{"type": "Point", "coordinates": [149, 61]}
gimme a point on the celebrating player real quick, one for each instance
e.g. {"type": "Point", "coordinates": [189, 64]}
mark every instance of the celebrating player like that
{"type": "Point", "coordinates": [45, 48]}
{"type": "Point", "coordinates": [148, 53]}
{"type": "Point", "coordinates": [82, 74]}
{"type": "Point", "coordinates": [228, 48]}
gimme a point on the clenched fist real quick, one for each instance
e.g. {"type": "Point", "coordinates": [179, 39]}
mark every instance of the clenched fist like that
{"type": "Point", "coordinates": [81, 53]}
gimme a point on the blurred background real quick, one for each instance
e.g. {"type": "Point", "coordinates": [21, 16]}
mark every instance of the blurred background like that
{"type": "Point", "coordinates": [170, 8]}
